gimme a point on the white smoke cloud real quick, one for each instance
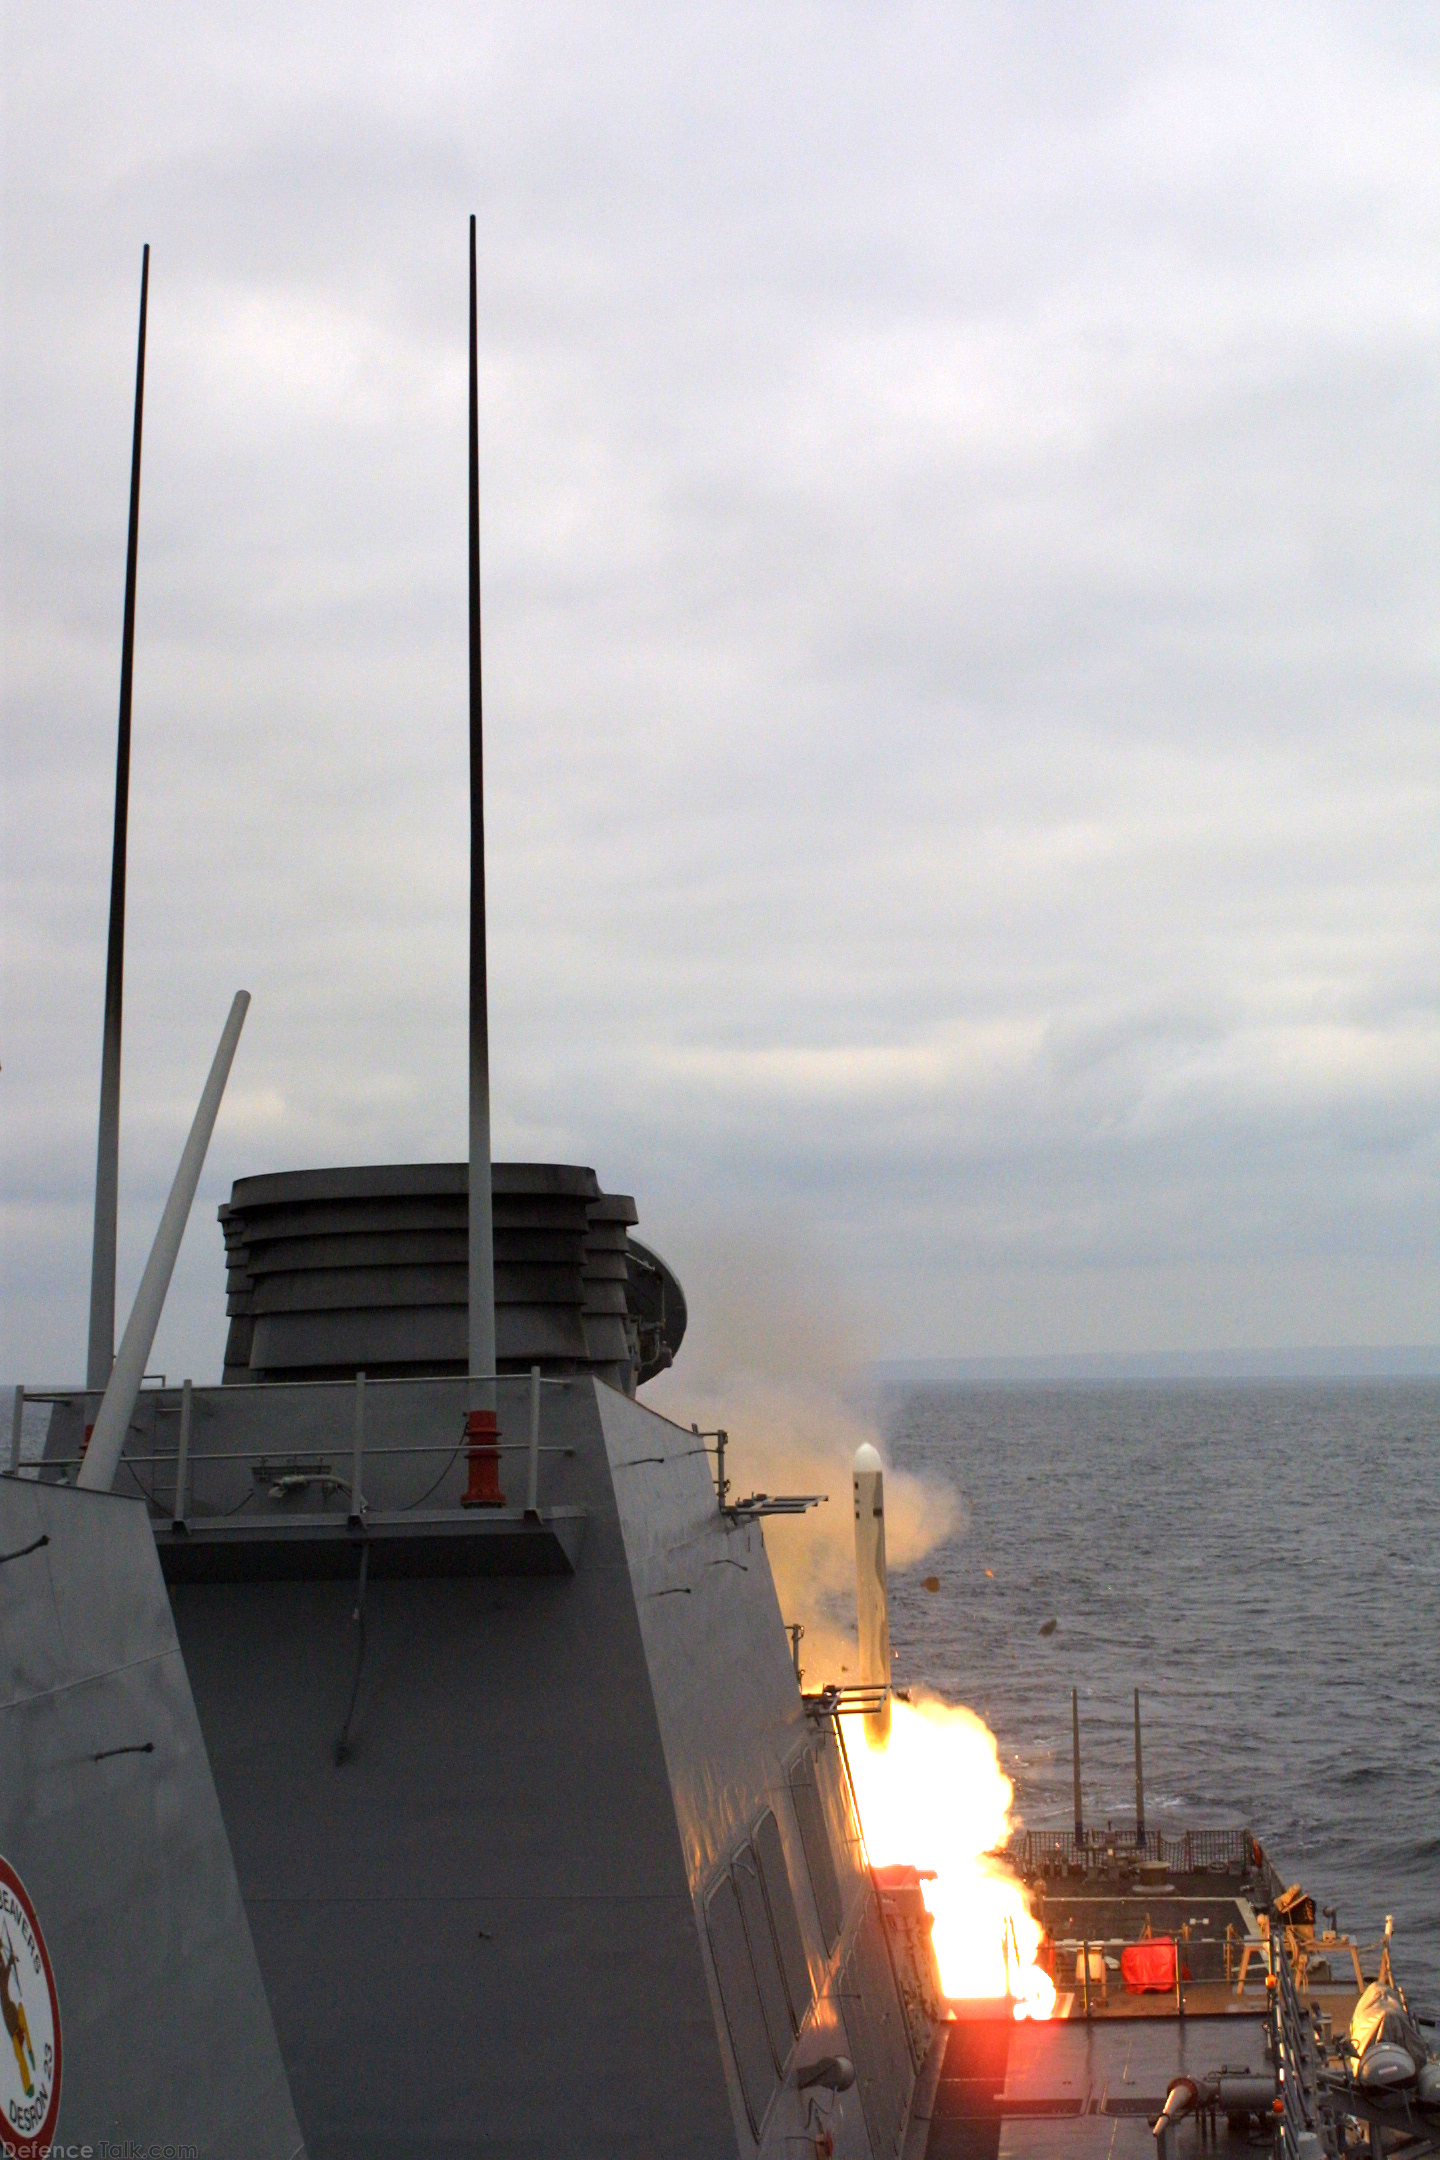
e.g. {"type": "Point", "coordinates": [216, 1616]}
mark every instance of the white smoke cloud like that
{"type": "Point", "coordinates": [772, 1357]}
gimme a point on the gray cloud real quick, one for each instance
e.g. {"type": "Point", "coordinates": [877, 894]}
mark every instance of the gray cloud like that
{"type": "Point", "coordinates": [960, 537]}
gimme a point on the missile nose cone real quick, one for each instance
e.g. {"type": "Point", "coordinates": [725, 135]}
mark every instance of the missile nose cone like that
{"type": "Point", "coordinates": [867, 1459]}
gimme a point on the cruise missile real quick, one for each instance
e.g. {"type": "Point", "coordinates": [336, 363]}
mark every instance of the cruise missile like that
{"type": "Point", "coordinates": [872, 1602]}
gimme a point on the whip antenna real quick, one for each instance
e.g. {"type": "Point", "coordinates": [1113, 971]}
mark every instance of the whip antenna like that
{"type": "Point", "coordinates": [101, 1353]}
{"type": "Point", "coordinates": [483, 1488]}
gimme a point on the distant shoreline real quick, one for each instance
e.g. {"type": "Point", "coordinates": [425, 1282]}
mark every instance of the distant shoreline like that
{"type": "Point", "coordinates": [1404, 1362]}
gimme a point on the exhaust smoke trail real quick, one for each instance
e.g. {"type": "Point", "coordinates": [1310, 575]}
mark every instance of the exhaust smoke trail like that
{"type": "Point", "coordinates": [775, 1368]}
{"type": "Point", "coordinates": [771, 1367]}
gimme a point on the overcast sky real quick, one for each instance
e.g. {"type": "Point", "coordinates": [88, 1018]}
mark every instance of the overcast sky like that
{"type": "Point", "coordinates": [961, 503]}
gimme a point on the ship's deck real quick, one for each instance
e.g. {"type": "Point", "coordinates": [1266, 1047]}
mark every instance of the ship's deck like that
{"type": "Point", "coordinates": [1224, 1957]}
{"type": "Point", "coordinates": [1089, 2083]}
{"type": "Point", "coordinates": [1072, 2089]}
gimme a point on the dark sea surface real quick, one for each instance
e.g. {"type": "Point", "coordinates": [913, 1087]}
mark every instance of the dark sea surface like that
{"type": "Point", "coordinates": [1260, 1560]}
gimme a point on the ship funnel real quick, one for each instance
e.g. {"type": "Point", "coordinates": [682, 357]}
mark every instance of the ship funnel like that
{"type": "Point", "coordinates": [100, 1354]}
{"type": "Point", "coordinates": [872, 1597]}
{"type": "Point", "coordinates": [481, 1430]}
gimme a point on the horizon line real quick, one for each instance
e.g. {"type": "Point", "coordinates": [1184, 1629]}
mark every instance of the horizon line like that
{"type": "Point", "coordinates": [1333, 1361]}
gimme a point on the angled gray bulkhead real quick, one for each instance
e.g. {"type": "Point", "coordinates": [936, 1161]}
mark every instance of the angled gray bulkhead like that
{"type": "Point", "coordinates": [477, 1932]}
{"type": "Point", "coordinates": [752, 1778]}
{"type": "Point", "coordinates": [109, 1817]}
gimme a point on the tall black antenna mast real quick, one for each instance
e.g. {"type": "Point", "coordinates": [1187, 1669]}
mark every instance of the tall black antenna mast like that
{"type": "Point", "coordinates": [101, 1353]}
{"type": "Point", "coordinates": [480, 1422]}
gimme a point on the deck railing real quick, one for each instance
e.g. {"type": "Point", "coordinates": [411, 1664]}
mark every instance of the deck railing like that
{"type": "Point", "coordinates": [182, 1481]}
{"type": "Point", "coordinates": [1214, 1852]}
{"type": "Point", "coordinates": [1296, 2058]}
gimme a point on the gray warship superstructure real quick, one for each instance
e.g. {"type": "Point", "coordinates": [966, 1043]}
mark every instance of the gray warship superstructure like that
{"type": "Point", "coordinates": [509, 1829]}
{"type": "Point", "coordinates": [404, 1753]}
{"type": "Point", "coordinates": [333, 1272]}
{"type": "Point", "coordinates": [541, 1849]}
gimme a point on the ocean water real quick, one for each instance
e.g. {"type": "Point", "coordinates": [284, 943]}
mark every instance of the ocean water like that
{"type": "Point", "coordinates": [1261, 1561]}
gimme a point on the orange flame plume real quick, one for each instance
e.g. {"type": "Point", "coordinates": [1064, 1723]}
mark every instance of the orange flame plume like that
{"type": "Point", "coordinates": [935, 1797]}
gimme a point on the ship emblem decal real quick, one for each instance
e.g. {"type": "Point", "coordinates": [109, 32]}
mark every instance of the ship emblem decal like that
{"type": "Point", "coordinates": [30, 2011]}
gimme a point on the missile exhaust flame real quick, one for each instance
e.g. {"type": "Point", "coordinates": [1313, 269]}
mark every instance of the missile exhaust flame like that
{"type": "Point", "coordinates": [932, 1796]}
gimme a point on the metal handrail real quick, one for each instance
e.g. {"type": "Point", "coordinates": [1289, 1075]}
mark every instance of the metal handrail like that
{"type": "Point", "coordinates": [79, 1391]}
{"type": "Point", "coordinates": [310, 1450]}
{"type": "Point", "coordinates": [1185, 1850]}
{"type": "Point", "coordinates": [1295, 2055]}
{"type": "Point", "coordinates": [297, 1455]}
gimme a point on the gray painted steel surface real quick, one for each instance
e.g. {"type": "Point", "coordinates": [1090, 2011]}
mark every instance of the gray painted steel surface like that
{"type": "Point", "coordinates": [477, 1933]}
{"type": "Point", "coordinates": [412, 1544]}
{"type": "Point", "coordinates": [482, 1919]}
{"type": "Point", "coordinates": [97, 1472]}
{"type": "Point", "coordinates": [334, 1271]}
{"type": "Point", "coordinates": [166, 2034]}
{"type": "Point", "coordinates": [1069, 2091]}
{"type": "Point", "coordinates": [734, 1730]}
{"type": "Point", "coordinates": [658, 1305]}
